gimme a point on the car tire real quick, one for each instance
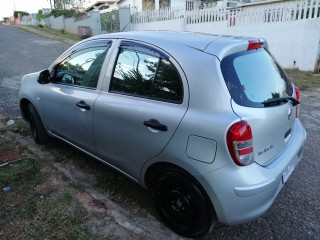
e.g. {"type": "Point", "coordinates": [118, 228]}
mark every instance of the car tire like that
{"type": "Point", "coordinates": [182, 204]}
{"type": "Point", "coordinates": [38, 132]}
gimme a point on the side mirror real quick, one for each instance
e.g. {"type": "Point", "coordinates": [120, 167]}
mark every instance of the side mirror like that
{"type": "Point", "coordinates": [44, 77]}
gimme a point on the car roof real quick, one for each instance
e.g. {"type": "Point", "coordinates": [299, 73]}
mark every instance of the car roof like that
{"type": "Point", "coordinates": [213, 44]}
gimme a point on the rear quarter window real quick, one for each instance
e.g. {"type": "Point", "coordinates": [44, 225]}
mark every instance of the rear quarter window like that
{"type": "Point", "coordinates": [253, 77]}
{"type": "Point", "coordinates": [140, 74]}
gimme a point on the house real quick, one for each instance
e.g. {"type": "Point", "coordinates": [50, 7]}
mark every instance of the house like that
{"type": "Point", "coordinates": [250, 3]}
{"type": "Point", "coordinates": [145, 5]}
{"type": "Point", "coordinates": [100, 5]}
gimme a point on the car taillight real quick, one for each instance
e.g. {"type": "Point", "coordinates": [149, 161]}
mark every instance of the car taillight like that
{"type": "Point", "coordinates": [239, 142]}
{"type": "Point", "coordinates": [254, 44]}
{"type": "Point", "coordinates": [298, 98]}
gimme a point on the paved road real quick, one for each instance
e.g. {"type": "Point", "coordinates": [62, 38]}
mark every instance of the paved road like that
{"type": "Point", "coordinates": [20, 53]}
{"type": "Point", "coordinates": [295, 213]}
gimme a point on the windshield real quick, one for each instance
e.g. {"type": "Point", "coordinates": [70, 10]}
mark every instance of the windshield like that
{"type": "Point", "coordinates": [253, 77]}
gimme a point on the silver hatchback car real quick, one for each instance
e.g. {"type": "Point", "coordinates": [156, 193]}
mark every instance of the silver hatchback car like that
{"type": "Point", "coordinates": [208, 123]}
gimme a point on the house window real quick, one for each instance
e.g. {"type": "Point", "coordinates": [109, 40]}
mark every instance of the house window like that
{"type": "Point", "coordinates": [164, 3]}
{"type": "Point", "coordinates": [189, 5]}
{"type": "Point", "coordinates": [148, 5]}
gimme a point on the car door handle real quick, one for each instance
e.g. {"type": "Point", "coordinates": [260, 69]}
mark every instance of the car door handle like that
{"type": "Point", "coordinates": [82, 104]}
{"type": "Point", "coordinates": [153, 123]}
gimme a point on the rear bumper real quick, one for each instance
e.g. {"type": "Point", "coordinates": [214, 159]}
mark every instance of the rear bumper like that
{"type": "Point", "coordinates": [242, 194]}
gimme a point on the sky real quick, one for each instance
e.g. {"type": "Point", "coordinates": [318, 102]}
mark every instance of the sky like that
{"type": "Point", "coordinates": [7, 7]}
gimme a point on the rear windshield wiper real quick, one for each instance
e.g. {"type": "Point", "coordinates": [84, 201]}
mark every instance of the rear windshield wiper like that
{"type": "Point", "coordinates": [276, 101]}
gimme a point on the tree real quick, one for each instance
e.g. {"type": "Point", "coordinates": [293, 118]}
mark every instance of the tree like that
{"type": "Point", "coordinates": [51, 5]}
{"type": "Point", "coordinates": [16, 14]}
{"type": "Point", "coordinates": [40, 17]}
{"type": "Point", "coordinates": [6, 19]}
{"type": "Point", "coordinates": [78, 5]}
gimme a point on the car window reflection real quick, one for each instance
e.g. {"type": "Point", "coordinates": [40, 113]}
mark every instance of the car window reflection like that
{"type": "Point", "coordinates": [82, 68]}
{"type": "Point", "coordinates": [143, 75]}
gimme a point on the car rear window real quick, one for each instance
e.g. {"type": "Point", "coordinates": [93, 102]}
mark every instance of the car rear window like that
{"type": "Point", "coordinates": [253, 77]}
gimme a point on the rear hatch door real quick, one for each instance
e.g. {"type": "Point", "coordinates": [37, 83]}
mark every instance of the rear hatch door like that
{"type": "Point", "coordinates": [263, 96]}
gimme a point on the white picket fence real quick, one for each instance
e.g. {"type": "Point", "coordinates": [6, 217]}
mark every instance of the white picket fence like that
{"type": "Point", "coordinates": [277, 12]}
{"type": "Point", "coordinates": [212, 14]}
{"type": "Point", "coordinates": [158, 15]}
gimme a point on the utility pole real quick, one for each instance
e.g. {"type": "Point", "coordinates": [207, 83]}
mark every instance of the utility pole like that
{"type": "Point", "coordinates": [14, 6]}
{"type": "Point", "coordinates": [50, 5]}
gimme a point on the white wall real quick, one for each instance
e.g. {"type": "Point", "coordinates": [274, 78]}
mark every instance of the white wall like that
{"type": "Point", "coordinates": [176, 3]}
{"type": "Point", "coordinates": [71, 24]}
{"type": "Point", "coordinates": [55, 22]}
{"type": "Point", "coordinates": [29, 19]}
{"type": "Point", "coordinates": [288, 41]}
{"type": "Point", "coordinates": [130, 3]}
{"type": "Point", "coordinates": [169, 25]}
{"type": "Point", "coordinates": [125, 19]}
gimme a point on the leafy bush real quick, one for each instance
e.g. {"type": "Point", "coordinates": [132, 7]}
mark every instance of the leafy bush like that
{"type": "Point", "coordinates": [21, 13]}
{"type": "Point", "coordinates": [68, 13]}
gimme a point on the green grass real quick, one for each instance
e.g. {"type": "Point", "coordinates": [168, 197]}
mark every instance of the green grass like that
{"type": "Point", "coordinates": [20, 126]}
{"type": "Point", "coordinates": [306, 81]}
{"type": "Point", "coordinates": [25, 212]}
{"type": "Point", "coordinates": [25, 165]}
{"type": "Point", "coordinates": [53, 219]}
{"type": "Point", "coordinates": [60, 34]}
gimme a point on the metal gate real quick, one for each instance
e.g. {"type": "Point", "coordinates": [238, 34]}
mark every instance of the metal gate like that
{"type": "Point", "coordinates": [110, 22]}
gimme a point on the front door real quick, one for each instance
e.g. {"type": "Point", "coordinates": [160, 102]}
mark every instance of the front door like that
{"type": "Point", "coordinates": [69, 100]}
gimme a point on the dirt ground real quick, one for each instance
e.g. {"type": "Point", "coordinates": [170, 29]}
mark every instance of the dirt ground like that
{"type": "Point", "coordinates": [104, 217]}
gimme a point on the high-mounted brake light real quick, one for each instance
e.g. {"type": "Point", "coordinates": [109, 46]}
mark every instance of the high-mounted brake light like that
{"type": "Point", "coordinates": [239, 142]}
{"type": "Point", "coordinates": [298, 98]}
{"type": "Point", "coordinates": [254, 44]}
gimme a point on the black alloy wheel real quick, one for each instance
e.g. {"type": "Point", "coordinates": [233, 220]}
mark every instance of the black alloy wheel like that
{"type": "Point", "coordinates": [182, 205]}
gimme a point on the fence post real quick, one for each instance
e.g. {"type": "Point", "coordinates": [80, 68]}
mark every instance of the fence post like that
{"type": "Point", "coordinates": [316, 9]}
{"type": "Point", "coordinates": [95, 22]}
{"type": "Point", "coordinates": [310, 9]}
{"type": "Point", "coordinates": [305, 9]}
{"type": "Point", "coordinates": [125, 19]}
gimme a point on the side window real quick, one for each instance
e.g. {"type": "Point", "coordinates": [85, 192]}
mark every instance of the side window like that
{"type": "Point", "coordinates": [167, 84]}
{"type": "Point", "coordinates": [82, 68]}
{"type": "Point", "coordinates": [134, 73]}
{"type": "Point", "coordinates": [144, 75]}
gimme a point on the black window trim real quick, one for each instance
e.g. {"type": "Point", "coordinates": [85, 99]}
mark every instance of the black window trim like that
{"type": "Point", "coordinates": [140, 47]}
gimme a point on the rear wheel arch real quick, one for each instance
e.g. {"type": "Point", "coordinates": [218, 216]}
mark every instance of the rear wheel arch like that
{"type": "Point", "coordinates": [160, 175]}
{"type": "Point", "coordinates": [155, 170]}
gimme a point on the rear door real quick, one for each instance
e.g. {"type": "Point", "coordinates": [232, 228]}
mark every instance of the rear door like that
{"type": "Point", "coordinates": [257, 84]}
{"type": "Point", "coordinates": [141, 107]}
